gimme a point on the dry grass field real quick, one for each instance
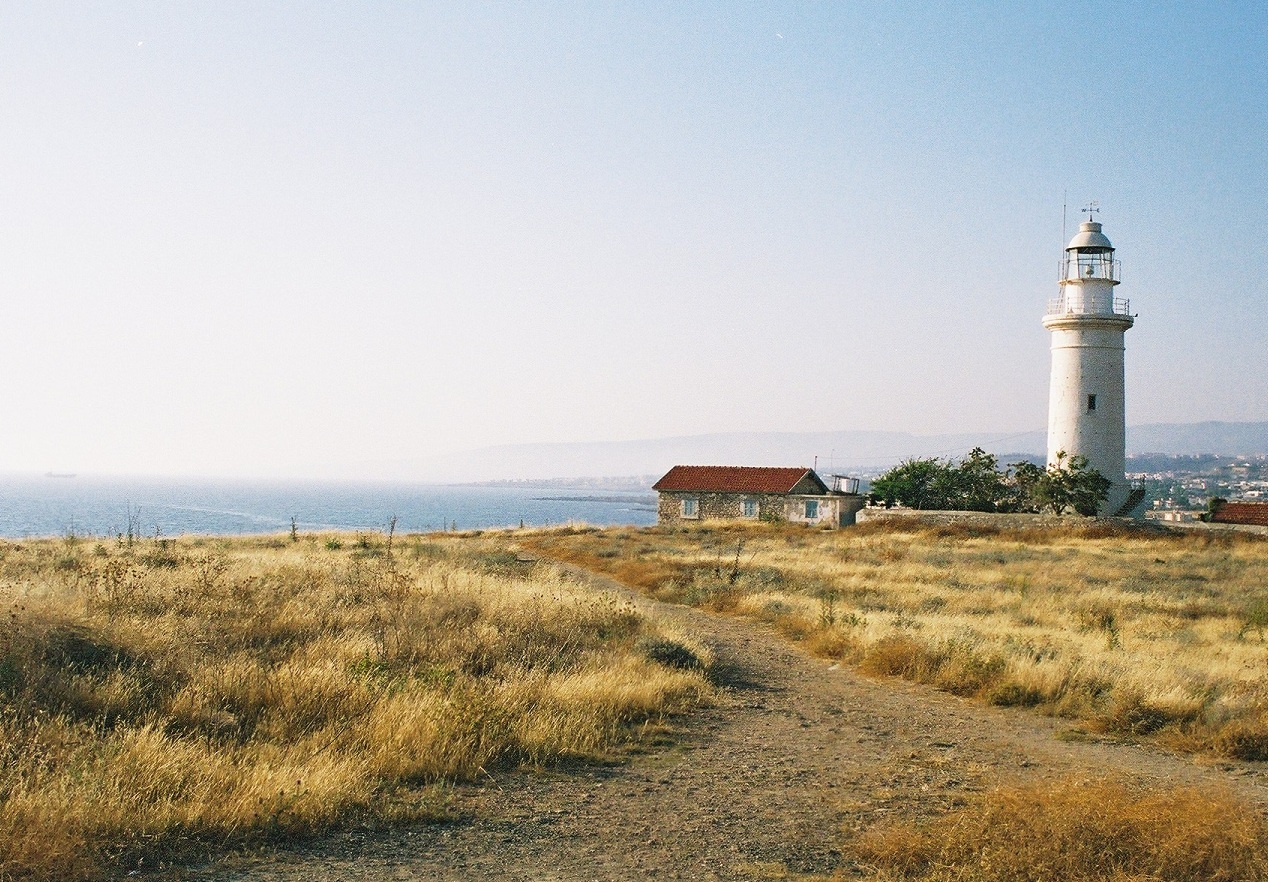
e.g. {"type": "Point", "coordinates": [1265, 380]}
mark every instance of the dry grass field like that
{"type": "Point", "coordinates": [168, 698]}
{"type": "Point", "coordinates": [1127, 634]}
{"type": "Point", "coordinates": [171, 697]}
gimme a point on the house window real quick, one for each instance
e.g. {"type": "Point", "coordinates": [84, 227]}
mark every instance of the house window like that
{"type": "Point", "coordinates": [812, 509]}
{"type": "Point", "coordinates": [690, 508]}
{"type": "Point", "coordinates": [1091, 403]}
{"type": "Point", "coordinates": [749, 508]}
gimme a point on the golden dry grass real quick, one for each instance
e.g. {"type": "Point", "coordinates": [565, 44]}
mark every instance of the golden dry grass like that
{"type": "Point", "coordinates": [174, 696]}
{"type": "Point", "coordinates": [1088, 831]}
{"type": "Point", "coordinates": [1131, 634]}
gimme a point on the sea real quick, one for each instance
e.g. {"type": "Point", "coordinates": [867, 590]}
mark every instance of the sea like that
{"type": "Point", "coordinates": [107, 507]}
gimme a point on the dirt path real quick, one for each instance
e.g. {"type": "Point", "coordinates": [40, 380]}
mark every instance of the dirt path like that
{"type": "Point", "coordinates": [760, 785]}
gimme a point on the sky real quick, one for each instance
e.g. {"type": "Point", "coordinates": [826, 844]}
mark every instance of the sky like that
{"type": "Point", "coordinates": [276, 239]}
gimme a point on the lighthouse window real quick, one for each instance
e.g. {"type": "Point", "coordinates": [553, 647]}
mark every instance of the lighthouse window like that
{"type": "Point", "coordinates": [1091, 403]}
{"type": "Point", "coordinates": [690, 508]}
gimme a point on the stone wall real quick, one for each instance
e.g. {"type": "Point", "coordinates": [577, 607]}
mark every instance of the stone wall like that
{"type": "Point", "coordinates": [1202, 526]}
{"type": "Point", "coordinates": [718, 506]}
{"type": "Point", "coordinates": [998, 521]}
{"type": "Point", "coordinates": [1029, 521]}
{"type": "Point", "coordinates": [834, 509]}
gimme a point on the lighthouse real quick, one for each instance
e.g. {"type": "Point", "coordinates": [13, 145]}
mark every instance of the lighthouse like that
{"type": "Point", "coordinates": [1086, 414]}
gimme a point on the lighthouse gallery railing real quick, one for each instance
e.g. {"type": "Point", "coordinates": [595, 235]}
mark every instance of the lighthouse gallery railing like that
{"type": "Point", "coordinates": [1074, 303]}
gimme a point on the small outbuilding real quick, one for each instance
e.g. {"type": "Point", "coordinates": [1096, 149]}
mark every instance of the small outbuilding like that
{"type": "Point", "coordinates": [695, 493]}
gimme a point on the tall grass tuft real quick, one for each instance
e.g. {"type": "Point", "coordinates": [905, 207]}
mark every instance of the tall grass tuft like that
{"type": "Point", "coordinates": [1094, 831]}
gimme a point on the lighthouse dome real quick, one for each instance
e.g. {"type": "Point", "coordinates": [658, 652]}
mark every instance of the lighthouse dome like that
{"type": "Point", "coordinates": [1089, 238]}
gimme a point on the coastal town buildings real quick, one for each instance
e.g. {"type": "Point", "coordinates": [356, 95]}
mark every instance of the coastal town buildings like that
{"type": "Point", "coordinates": [1188, 484]}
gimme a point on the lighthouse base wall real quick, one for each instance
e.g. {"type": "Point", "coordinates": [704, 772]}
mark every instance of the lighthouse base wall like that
{"type": "Point", "coordinates": [1086, 403]}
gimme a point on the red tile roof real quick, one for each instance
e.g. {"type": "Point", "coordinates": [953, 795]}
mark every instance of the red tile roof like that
{"type": "Point", "coordinates": [1241, 513]}
{"type": "Point", "coordinates": [736, 479]}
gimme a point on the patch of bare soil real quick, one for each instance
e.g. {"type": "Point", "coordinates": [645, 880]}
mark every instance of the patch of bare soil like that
{"type": "Point", "coordinates": [765, 784]}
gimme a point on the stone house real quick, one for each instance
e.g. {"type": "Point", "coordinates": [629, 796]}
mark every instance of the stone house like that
{"type": "Point", "coordinates": [695, 493]}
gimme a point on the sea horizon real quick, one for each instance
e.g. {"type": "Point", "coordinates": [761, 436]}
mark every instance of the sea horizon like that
{"type": "Point", "coordinates": [101, 506]}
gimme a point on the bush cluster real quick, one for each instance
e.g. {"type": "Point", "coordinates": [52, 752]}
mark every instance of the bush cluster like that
{"type": "Point", "coordinates": [977, 483]}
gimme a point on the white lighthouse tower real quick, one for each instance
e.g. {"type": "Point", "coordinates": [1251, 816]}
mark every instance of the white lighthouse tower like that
{"type": "Point", "coordinates": [1086, 414]}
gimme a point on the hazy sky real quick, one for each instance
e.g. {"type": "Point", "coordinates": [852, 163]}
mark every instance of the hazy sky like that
{"type": "Point", "coordinates": [275, 238]}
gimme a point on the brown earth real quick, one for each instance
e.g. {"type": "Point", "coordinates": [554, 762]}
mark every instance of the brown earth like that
{"type": "Point", "coordinates": [765, 784]}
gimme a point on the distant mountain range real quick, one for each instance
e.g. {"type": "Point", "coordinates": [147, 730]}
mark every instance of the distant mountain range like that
{"type": "Point", "coordinates": [1194, 439]}
{"type": "Point", "coordinates": [850, 452]}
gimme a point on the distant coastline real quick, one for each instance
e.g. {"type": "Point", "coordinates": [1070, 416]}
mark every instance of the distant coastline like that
{"type": "Point", "coordinates": [647, 501]}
